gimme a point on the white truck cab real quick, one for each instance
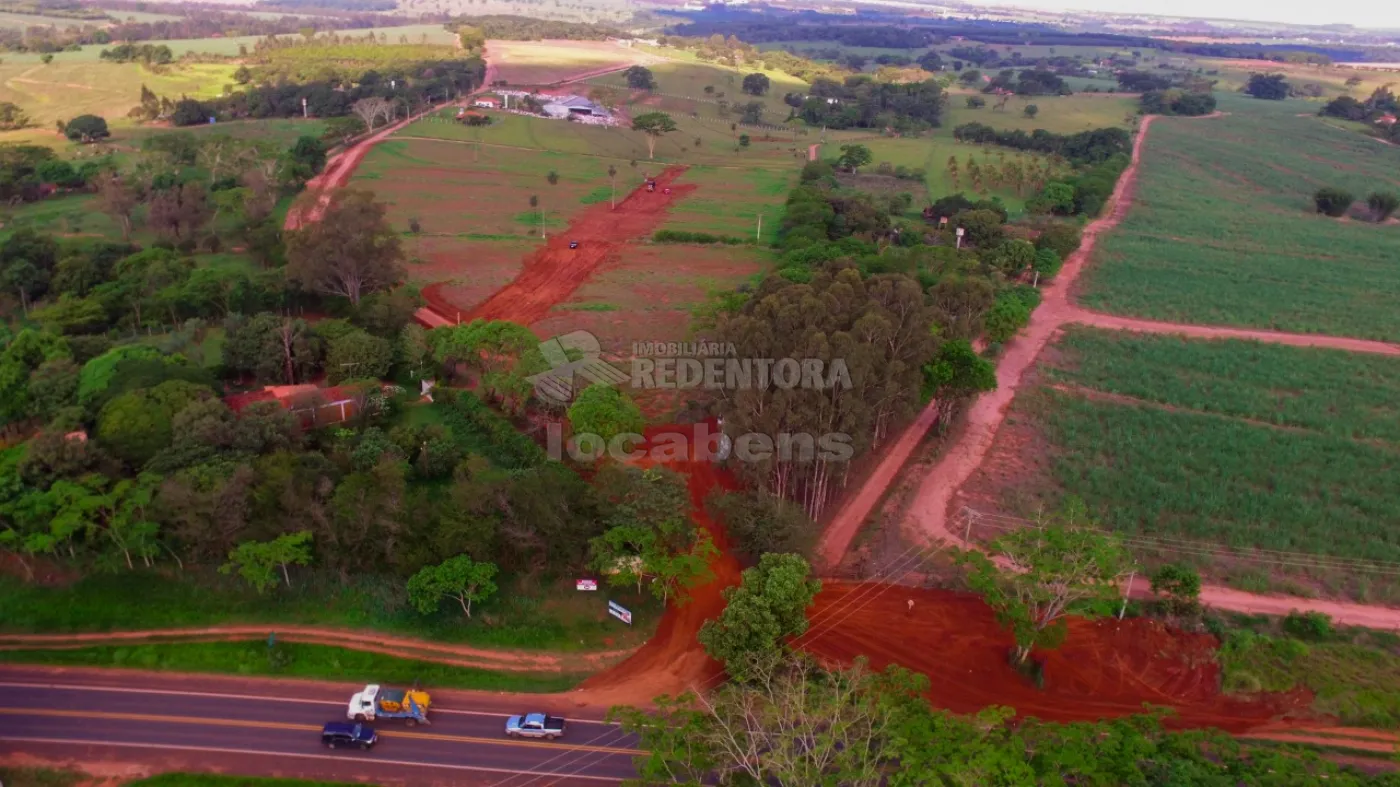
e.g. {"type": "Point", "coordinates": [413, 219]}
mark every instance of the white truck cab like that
{"type": "Point", "coordinates": [362, 704]}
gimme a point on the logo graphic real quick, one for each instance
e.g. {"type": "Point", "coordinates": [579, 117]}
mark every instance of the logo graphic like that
{"type": "Point", "coordinates": [576, 354]}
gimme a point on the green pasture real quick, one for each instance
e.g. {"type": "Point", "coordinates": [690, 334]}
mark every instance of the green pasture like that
{"type": "Point", "coordinates": [457, 189]}
{"type": "Point", "coordinates": [718, 144]}
{"type": "Point", "coordinates": [1224, 231]}
{"type": "Point", "coordinates": [680, 86]}
{"type": "Point", "coordinates": [1060, 114]}
{"type": "Point", "coordinates": [318, 662]}
{"type": "Point", "coordinates": [729, 202]}
{"type": "Point", "coordinates": [229, 47]}
{"type": "Point", "coordinates": [931, 154]}
{"type": "Point", "coordinates": [65, 89]}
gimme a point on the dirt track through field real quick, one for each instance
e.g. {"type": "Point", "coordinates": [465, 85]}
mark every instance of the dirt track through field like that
{"type": "Point", "coordinates": [554, 272]}
{"type": "Point", "coordinates": [927, 518]}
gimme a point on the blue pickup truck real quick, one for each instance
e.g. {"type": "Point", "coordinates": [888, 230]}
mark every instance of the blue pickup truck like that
{"type": "Point", "coordinates": [535, 725]}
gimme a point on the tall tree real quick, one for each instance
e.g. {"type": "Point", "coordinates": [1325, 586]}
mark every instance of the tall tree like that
{"type": "Point", "coordinates": [459, 578]}
{"type": "Point", "coordinates": [793, 725]}
{"type": "Point", "coordinates": [351, 251]}
{"type": "Point", "coordinates": [855, 156]}
{"type": "Point", "coordinates": [654, 125]}
{"type": "Point", "coordinates": [605, 411]}
{"type": "Point", "coordinates": [258, 562]}
{"type": "Point", "coordinates": [1061, 566]}
{"type": "Point", "coordinates": [756, 84]}
{"type": "Point", "coordinates": [650, 535]}
{"type": "Point", "coordinates": [118, 199]}
{"type": "Point", "coordinates": [769, 604]}
{"type": "Point", "coordinates": [180, 211]}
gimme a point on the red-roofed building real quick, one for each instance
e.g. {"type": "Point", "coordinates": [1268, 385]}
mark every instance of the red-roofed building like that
{"type": "Point", "coordinates": [313, 405]}
{"type": "Point", "coordinates": [1386, 120]}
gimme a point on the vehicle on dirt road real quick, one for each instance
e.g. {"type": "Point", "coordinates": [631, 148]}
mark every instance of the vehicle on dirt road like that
{"type": "Point", "coordinates": [342, 734]}
{"type": "Point", "coordinates": [573, 244]}
{"type": "Point", "coordinates": [535, 725]}
{"type": "Point", "coordinates": [384, 703]}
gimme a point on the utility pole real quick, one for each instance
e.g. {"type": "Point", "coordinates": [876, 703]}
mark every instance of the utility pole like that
{"type": "Point", "coordinates": [304, 113]}
{"type": "Point", "coordinates": [1126, 594]}
{"type": "Point", "coordinates": [758, 234]}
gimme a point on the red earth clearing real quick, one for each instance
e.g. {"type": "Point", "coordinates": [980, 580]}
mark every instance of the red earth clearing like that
{"type": "Point", "coordinates": [1105, 668]}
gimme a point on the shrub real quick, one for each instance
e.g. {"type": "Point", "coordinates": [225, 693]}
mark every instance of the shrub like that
{"type": "Point", "coordinates": [1181, 587]}
{"type": "Point", "coordinates": [1308, 626]}
{"type": "Point", "coordinates": [1382, 204]}
{"type": "Point", "coordinates": [682, 236]}
{"type": "Point", "coordinates": [976, 102]}
{"type": "Point", "coordinates": [1333, 202]}
{"type": "Point", "coordinates": [1008, 315]}
{"type": "Point", "coordinates": [1063, 239]}
{"type": "Point", "coordinates": [1047, 263]}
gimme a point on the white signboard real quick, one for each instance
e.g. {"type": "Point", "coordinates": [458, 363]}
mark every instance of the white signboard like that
{"type": "Point", "coordinates": [618, 611]}
{"type": "Point", "coordinates": [586, 584]}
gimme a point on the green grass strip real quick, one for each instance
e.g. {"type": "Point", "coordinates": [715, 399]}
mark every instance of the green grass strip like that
{"type": "Point", "coordinates": [297, 660]}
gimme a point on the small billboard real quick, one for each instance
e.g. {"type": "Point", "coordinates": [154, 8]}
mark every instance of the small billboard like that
{"type": "Point", "coordinates": [618, 611]}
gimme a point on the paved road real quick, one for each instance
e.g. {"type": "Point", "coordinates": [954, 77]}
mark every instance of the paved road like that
{"type": "Point", "coordinates": [41, 708]}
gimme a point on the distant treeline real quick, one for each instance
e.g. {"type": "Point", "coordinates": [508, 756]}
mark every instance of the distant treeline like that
{"type": "Point", "coordinates": [505, 27]}
{"type": "Point", "coordinates": [892, 31]}
{"type": "Point", "coordinates": [64, 9]}
{"type": "Point", "coordinates": [204, 23]}
{"type": "Point", "coordinates": [330, 5]}
{"type": "Point", "coordinates": [417, 84]}
{"type": "Point", "coordinates": [888, 31]}
{"type": "Point", "coordinates": [1084, 148]}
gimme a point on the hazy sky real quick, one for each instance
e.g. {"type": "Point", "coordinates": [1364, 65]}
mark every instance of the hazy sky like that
{"type": "Point", "coordinates": [1367, 13]}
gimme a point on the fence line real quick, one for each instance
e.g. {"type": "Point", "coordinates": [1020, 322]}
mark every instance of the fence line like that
{"type": "Point", "coordinates": [972, 524]}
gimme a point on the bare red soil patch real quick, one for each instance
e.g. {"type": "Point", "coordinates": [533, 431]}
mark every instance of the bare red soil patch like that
{"type": "Point", "coordinates": [1105, 668]}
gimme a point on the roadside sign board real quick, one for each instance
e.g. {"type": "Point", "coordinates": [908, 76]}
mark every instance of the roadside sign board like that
{"type": "Point", "coordinates": [586, 584]}
{"type": "Point", "coordinates": [621, 613]}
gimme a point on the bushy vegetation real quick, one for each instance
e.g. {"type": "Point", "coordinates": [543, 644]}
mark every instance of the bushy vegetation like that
{"type": "Point", "coordinates": [1354, 675]}
{"type": "Point", "coordinates": [862, 102]}
{"type": "Point", "coordinates": [1086, 147]}
{"type": "Point", "coordinates": [1177, 102]}
{"type": "Point", "coordinates": [882, 723]}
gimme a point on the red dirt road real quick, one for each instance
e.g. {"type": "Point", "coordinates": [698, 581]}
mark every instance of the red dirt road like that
{"type": "Point", "coordinates": [842, 529]}
{"type": "Point", "coordinates": [555, 271]}
{"type": "Point", "coordinates": [312, 206]}
{"type": "Point", "coordinates": [1114, 322]}
{"type": "Point", "coordinates": [672, 661]}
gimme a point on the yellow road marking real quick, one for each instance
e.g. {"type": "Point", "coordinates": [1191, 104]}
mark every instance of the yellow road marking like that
{"type": "Point", "coordinates": [273, 725]}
